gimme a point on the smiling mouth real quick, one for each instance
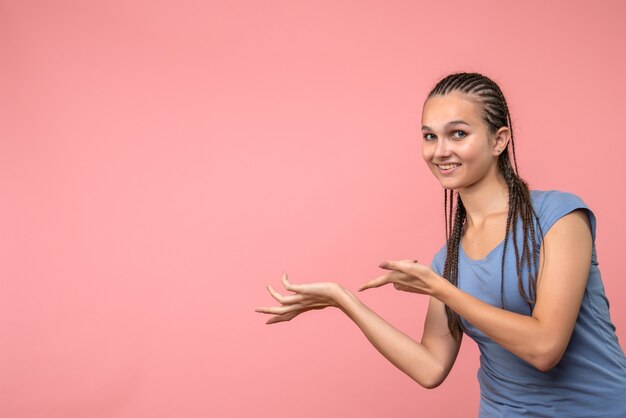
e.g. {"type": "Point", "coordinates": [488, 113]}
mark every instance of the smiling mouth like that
{"type": "Point", "coordinates": [447, 166]}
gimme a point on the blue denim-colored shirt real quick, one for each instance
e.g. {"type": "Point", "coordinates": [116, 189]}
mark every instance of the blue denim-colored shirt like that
{"type": "Point", "coordinates": [590, 379]}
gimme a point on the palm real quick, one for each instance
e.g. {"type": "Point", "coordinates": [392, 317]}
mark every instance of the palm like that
{"type": "Point", "coordinates": [306, 297]}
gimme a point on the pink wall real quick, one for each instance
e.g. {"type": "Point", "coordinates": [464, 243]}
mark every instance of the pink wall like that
{"type": "Point", "coordinates": [161, 161]}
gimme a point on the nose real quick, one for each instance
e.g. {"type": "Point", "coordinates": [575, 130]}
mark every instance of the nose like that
{"type": "Point", "coordinates": [442, 149]}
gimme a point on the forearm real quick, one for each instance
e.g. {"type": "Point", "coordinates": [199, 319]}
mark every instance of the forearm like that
{"type": "Point", "coordinates": [520, 334]}
{"type": "Point", "coordinates": [402, 351]}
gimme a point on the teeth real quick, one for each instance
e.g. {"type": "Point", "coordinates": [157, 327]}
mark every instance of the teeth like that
{"type": "Point", "coordinates": [448, 166]}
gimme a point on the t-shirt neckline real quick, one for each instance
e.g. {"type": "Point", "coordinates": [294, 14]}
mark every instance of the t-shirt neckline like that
{"type": "Point", "coordinates": [481, 260]}
{"type": "Point", "coordinates": [494, 249]}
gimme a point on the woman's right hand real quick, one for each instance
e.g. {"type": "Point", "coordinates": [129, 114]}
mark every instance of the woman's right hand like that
{"type": "Point", "coordinates": [306, 297]}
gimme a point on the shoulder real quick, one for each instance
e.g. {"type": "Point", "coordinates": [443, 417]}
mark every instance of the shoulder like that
{"type": "Point", "coordinates": [439, 259]}
{"type": "Point", "coordinates": [552, 205]}
{"type": "Point", "coordinates": [549, 199]}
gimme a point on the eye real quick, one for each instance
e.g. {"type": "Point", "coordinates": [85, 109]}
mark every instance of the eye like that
{"type": "Point", "coordinates": [427, 137]}
{"type": "Point", "coordinates": [463, 134]}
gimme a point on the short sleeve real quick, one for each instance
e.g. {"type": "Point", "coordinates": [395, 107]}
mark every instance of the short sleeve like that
{"type": "Point", "coordinates": [557, 204]}
{"type": "Point", "coordinates": [439, 260]}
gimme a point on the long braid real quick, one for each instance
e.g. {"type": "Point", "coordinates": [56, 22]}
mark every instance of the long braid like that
{"type": "Point", "coordinates": [451, 200]}
{"type": "Point", "coordinates": [519, 187]}
{"type": "Point", "coordinates": [451, 268]}
{"type": "Point", "coordinates": [445, 214]}
{"type": "Point", "coordinates": [496, 114]}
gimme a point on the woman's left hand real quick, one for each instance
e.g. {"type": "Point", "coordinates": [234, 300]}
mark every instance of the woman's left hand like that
{"type": "Point", "coordinates": [408, 276]}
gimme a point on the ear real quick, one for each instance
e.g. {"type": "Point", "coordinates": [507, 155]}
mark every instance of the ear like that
{"type": "Point", "coordinates": [501, 140]}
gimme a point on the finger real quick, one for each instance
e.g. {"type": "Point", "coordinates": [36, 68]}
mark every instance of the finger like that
{"type": "Point", "coordinates": [286, 282]}
{"type": "Point", "coordinates": [399, 265]}
{"type": "Point", "coordinates": [377, 282]}
{"type": "Point", "coordinates": [304, 306]}
{"type": "Point", "coordinates": [284, 299]}
{"type": "Point", "coordinates": [389, 263]}
{"type": "Point", "coordinates": [275, 310]}
{"type": "Point", "coordinates": [391, 277]}
{"type": "Point", "coordinates": [265, 309]}
{"type": "Point", "coordinates": [282, 318]}
{"type": "Point", "coordinates": [290, 315]}
{"type": "Point", "coordinates": [292, 286]}
{"type": "Point", "coordinates": [278, 310]}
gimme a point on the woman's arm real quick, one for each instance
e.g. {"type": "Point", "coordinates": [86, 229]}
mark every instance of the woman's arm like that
{"type": "Point", "coordinates": [540, 339]}
{"type": "Point", "coordinates": [428, 362]}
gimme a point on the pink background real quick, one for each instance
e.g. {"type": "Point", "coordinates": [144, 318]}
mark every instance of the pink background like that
{"type": "Point", "coordinates": [161, 161]}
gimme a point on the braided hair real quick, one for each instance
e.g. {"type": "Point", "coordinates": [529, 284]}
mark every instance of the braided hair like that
{"type": "Point", "coordinates": [495, 113]}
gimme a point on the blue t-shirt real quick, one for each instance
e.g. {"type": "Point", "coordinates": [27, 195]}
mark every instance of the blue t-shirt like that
{"type": "Point", "coordinates": [590, 379]}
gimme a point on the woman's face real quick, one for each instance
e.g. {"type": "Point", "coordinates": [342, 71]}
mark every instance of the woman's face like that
{"type": "Point", "coordinates": [456, 144]}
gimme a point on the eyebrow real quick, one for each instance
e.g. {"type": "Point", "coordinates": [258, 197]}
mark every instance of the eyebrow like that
{"type": "Point", "coordinates": [454, 122]}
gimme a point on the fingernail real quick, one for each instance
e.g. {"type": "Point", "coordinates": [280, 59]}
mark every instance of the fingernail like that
{"type": "Point", "coordinates": [382, 264]}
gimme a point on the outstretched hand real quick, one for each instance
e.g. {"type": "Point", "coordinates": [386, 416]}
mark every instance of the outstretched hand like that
{"type": "Point", "coordinates": [409, 276]}
{"type": "Point", "coordinates": [306, 297]}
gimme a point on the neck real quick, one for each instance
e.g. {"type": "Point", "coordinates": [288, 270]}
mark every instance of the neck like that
{"type": "Point", "coordinates": [484, 199]}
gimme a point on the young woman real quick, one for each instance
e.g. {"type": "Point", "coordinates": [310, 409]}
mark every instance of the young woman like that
{"type": "Point", "coordinates": [518, 274]}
